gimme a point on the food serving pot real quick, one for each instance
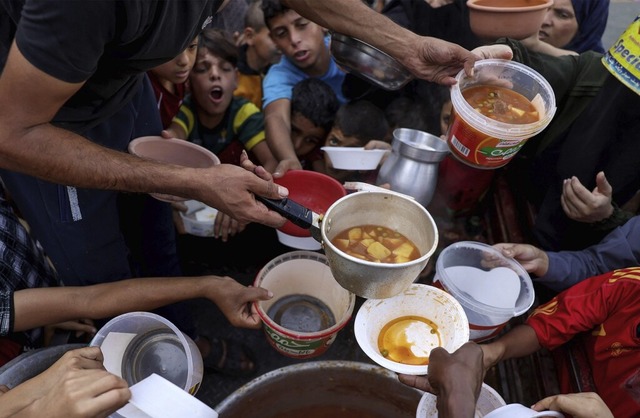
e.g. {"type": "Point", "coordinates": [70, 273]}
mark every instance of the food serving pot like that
{"type": "Point", "coordinates": [379, 207]}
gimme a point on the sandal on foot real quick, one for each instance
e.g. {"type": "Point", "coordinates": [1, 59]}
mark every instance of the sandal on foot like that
{"type": "Point", "coordinates": [230, 357]}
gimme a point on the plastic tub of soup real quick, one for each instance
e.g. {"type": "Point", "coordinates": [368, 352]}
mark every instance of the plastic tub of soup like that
{"type": "Point", "coordinates": [496, 111]}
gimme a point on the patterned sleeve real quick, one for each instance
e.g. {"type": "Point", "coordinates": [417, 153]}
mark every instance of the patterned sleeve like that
{"type": "Point", "coordinates": [186, 117]}
{"type": "Point", "coordinates": [582, 307]}
{"type": "Point", "coordinates": [248, 124]}
{"type": "Point", "coordinates": [6, 312]}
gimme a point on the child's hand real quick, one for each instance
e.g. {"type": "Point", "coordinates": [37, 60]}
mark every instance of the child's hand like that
{"type": "Point", "coordinates": [374, 144]}
{"type": "Point", "coordinates": [226, 227]}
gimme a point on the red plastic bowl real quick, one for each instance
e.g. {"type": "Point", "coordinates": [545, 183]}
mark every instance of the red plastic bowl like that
{"type": "Point", "coordinates": [311, 189]}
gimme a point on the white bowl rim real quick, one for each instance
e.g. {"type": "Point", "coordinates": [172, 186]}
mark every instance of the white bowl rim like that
{"type": "Point", "coordinates": [361, 337]}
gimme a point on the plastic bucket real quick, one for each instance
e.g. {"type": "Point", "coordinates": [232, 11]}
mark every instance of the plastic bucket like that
{"type": "Point", "coordinates": [313, 190]}
{"type": "Point", "coordinates": [491, 288]}
{"type": "Point", "coordinates": [138, 344]}
{"type": "Point", "coordinates": [482, 142]}
{"type": "Point", "coordinates": [292, 276]}
{"type": "Point", "coordinates": [489, 400]}
{"type": "Point", "coordinates": [623, 58]}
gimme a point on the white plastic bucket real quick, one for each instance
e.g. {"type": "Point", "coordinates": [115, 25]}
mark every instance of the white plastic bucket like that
{"type": "Point", "coordinates": [302, 273]}
{"type": "Point", "coordinates": [485, 320]}
{"type": "Point", "coordinates": [489, 400]}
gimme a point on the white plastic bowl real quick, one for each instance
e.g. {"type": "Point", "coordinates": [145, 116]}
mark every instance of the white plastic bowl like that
{"type": "Point", "coordinates": [489, 400]}
{"type": "Point", "coordinates": [199, 220]}
{"type": "Point", "coordinates": [420, 300]}
{"type": "Point", "coordinates": [354, 158]}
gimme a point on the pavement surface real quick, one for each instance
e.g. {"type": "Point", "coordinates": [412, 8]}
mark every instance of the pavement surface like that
{"type": "Point", "coordinates": [204, 256]}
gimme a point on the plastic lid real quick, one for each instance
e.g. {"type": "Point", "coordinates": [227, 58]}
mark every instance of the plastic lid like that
{"type": "Point", "coordinates": [472, 254]}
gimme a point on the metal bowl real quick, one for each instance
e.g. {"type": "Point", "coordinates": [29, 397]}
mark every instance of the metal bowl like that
{"type": "Point", "coordinates": [368, 62]}
{"type": "Point", "coordinates": [386, 208]}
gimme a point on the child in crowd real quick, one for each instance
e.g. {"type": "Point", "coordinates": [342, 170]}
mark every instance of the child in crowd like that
{"type": "Point", "coordinates": [169, 82]}
{"type": "Point", "coordinates": [306, 54]}
{"type": "Point", "coordinates": [257, 54]}
{"type": "Point", "coordinates": [211, 116]}
{"type": "Point", "coordinates": [313, 109]}
{"type": "Point", "coordinates": [357, 124]}
{"type": "Point", "coordinates": [406, 112]}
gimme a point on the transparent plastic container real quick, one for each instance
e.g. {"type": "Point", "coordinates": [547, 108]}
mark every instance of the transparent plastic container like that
{"type": "Point", "coordinates": [473, 273]}
{"type": "Point", "coordinates": [482, 142]}
{"type": "Point", "coordinates": [138, 344]}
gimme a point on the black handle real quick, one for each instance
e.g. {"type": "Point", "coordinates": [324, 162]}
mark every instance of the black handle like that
{"type": "Point", "coordinates": [293, 211]}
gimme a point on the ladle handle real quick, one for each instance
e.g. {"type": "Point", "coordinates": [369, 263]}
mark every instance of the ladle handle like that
{"type": "Point", "coordinates": [293, 211]}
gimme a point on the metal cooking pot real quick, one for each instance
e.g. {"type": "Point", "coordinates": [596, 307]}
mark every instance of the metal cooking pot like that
{"type": "Point", "coordinates": [335, 388]}
{"type": "Point", "coordinates": [385, 208]}
{"type": "Point", "coordinates": [412, 167]}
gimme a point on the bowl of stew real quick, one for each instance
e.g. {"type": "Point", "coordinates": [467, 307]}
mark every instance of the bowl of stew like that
{"type": "Point", "coordinates": [398, 333]}
{"type": "Point", "coordinates": [378, 242]}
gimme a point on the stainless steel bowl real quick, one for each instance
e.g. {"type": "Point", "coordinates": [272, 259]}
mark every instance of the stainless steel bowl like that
{"type": "Point", "coordinates": [385, 208]}
{"type": "Point", "coordinates": [368, 62]}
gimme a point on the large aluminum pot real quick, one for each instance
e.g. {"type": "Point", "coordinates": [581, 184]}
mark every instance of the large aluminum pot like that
{"type": "Point", "coordinates": [385, 208]}
{"type": "Point", "coordinates": [338, 389]}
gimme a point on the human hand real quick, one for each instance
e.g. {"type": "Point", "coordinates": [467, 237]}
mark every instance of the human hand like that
{"type": "Point", "coordinates": [375, 144]}
{"type": "Point", "coordinates": [81, 327]}
{"type": "Point", "coordinates": [232, 189]}
{"type": "Point", "coordinates": [286, 165]}
{"type": "Point", "coordinates": [440, 61]}
{"type": "Point", "coordinates": [225, 227]}
{"type": "Point", "coordinates": [495, 51]}
{"type": "Point", "coordinates": [583, 206]}
{"type": "Point", "coordinates": [235, 301]}
{"type": "Point", "coordinates": [578, 405]}
{"type": "Point", "coordinates": [533, 259]}
{"type": "Point", "coordinates": [456, 379]}
{"type": "Point", "coordinates": [74, 386]}
{"type": "Point", "coordinates": [168, 134]}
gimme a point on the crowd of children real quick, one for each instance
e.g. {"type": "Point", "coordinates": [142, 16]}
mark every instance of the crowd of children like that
{"type": "Point", "coordinates": [275, 93]}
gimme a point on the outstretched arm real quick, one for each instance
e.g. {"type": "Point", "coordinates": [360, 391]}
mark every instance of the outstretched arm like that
{"type": "Point", "coordinates": [454, 378]}
{"type": "Point", "coordinates": [42, 306]}
{"type": "Point", "coordinates": [429, 58]}
{"type": "Point", "coordinates": [518, 342]}
{"type": "Point", "coordinates": [30, 144]}
{"type": "Point", "coordinates": [277, 127]}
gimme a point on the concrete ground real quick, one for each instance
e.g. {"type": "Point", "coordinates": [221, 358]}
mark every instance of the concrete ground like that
{"type": "Point", "coordinates": [243, 267]}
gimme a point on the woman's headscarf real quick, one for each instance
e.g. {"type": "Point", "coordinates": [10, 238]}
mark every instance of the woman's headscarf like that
{"type": "Point", "coordinates": [592, 19]}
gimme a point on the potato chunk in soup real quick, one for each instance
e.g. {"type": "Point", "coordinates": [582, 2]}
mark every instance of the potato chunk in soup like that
{"type": "Point", "coordinates": [376, 243]}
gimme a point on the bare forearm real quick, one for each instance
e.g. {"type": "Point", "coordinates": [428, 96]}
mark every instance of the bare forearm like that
{"type": "Point", "coordinates": [61, 156]}
{"type": "Point", "coordinates": [278, 134]}
{"type": "Point", "coordinates": [38, 307]}
{"type": "Point", "coordinates": [519, 342]}
{"type": "Point", "coordinates": [457, 403]}
{"type": "Point", "coordinates": [354, 18]}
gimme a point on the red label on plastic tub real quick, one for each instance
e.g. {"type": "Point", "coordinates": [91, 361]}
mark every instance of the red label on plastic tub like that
{"type": "Point", "coordinates": [477, 149]}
